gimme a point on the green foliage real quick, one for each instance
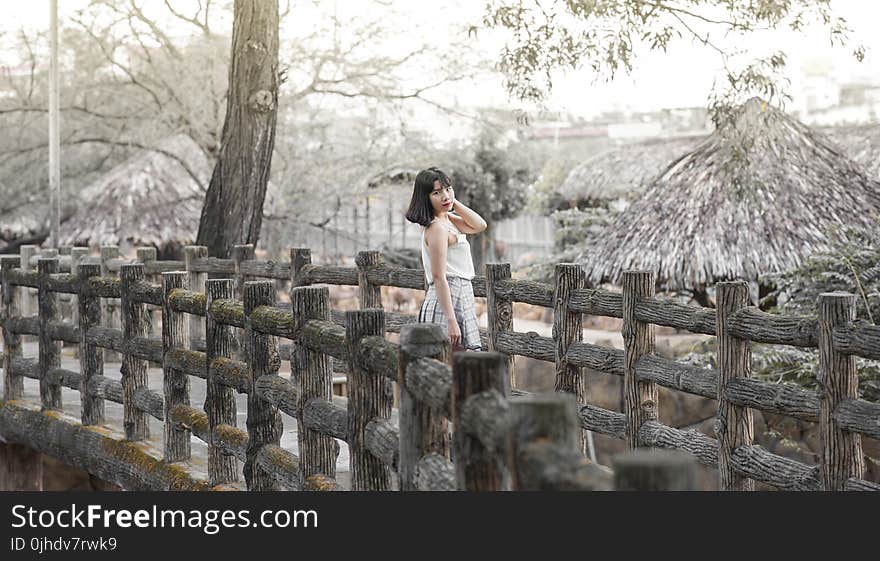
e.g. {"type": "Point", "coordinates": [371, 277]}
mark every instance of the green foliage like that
{"type": "Point", "coordinates": [544, 197]}
{"type": "Point", "coordinates": [607, 35]}
{"type": "Point", "coordinates": [851, 264]}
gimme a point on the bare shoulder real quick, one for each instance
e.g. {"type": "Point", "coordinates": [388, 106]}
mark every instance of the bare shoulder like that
{"type": "Point", "coordinates": [434, 231]}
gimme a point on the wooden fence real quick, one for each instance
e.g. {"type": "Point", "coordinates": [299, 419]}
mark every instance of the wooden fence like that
{"type": "Point", "coordinates": [499, 442]}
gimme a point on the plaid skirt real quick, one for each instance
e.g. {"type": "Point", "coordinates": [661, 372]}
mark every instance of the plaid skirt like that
{"type": "Point", "coordinates": [462, 293]}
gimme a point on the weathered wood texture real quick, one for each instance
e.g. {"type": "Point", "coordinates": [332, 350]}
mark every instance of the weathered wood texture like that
{"type": "Point", "coordinates": [370, 397]}
{"type": "Point", "coordinates": [326, 418]}
{"type": "Point", "coordinates": [299, 258]}
{"type": "Point", "coordinates": [435, 473]}
{"type": "Point", "coordinates": [568, 330]}
{"type": "Point", "coordinates": [311, 374]}
{"type": "Point", "coordinates": [369, 294]}
{"type": "Point", "coordinates": [240, 254]}
{"type": "Point", "coordinates": [96, 450]}
{"type": "Point", "coordinates": [91, 357]}
{"type": "Point", "coordinates": [596, 302]}
{"type": "Point", "coordinates": [734, 426]}
{"type": "Point", "coordinates": [858, 339]}
{"type": "Point", "coordinates": [10, 307]}
{"type": "Point", "coordinates": [423, 430]}
{"type": "Point", "coordinates": [783, 473]}
{"type": "Point", "coordinates": [546, 446]}
{"type": "Point", "coordinates": [672, 314]}
{"type": "Point", "coordinates": [654, 470]}
{"type": "Point", "coordinates": [499, 309]}
{"type": "Point", "coordinates": [263, 419]}
{"type": "Point", "coordinates": [134, 370]}
{"type": "Point", "coordinates": [110, 308]}
{"type": "Point", "coordinates": [476, 468]}
{"type": "Point", "coordinates": [175, 382]}
{"type": "Point", "coordinates": [196, 284]}
{"type": "Point", "coordinates": [840, 452]}
{"type": "Point", "coordinates": [50, 351]}
{"type": "Point", "coordinates": [382, 439]}
{"type": "Point", "coordinates": [638, 341]}
{"type": "Point", "coordinates": [753, 324]}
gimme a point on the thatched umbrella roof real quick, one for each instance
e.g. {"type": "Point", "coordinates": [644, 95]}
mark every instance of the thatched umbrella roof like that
{"type": "Point", "coordinates": [861, 143]}
{"type": "Point", "coordinates": [151, 198]}
{"type": "Point", "coordinates": [622, 172]}
{"type": "Point", "coordinates": [758, 195]}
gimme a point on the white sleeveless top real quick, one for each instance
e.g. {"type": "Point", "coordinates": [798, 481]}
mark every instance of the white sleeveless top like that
{"type": "Point", "coordinates": [458, 258]}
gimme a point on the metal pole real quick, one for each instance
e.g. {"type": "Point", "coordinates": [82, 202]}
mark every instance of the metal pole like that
{"type": "Point", "coordinates": [54, 138]}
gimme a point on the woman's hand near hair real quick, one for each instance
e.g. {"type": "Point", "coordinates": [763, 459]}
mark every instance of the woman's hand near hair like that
{"type": "Point", "coordinates": [465, 219]}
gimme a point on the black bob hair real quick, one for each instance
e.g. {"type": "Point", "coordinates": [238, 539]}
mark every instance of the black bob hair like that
{"type": "Point", "coordinates": [420, 209]}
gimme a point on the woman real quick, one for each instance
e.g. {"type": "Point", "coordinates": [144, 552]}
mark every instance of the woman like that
{"type": "Point", "coordinates": [446, 257]}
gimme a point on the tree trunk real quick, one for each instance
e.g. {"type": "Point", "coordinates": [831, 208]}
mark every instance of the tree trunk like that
{"type": "Point", "coordinates": [232, 213]}
{"type": "Point", "coordinates": [481, 249]}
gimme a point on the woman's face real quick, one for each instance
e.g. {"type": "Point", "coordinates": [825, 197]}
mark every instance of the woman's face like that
{"type": "Point", "coordinates": [441, 198]}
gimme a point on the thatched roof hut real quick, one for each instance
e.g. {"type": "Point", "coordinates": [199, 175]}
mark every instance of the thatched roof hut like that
{"type": "Point", "coordinates": [153, 198]}
{"type": "Point", "coordinates": [757, 196]}
{"type": "Point", "coordinates": [861, 143]}
{"type": "Point", "coordinates": [622, 172]}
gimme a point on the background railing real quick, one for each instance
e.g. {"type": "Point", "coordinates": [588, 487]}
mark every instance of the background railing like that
{"type": "Point", "coordinates": [227, 332]}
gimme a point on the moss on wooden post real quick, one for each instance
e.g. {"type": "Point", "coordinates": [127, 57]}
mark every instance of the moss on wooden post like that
{"type": "Point", "coordinates": [734, 425]}
{"type": "Point", "coordinates": [476, 467]}
{"type": "Point", "coordinates": [370, 397]}
{"type": "Point", "coordinates": [263, 419]}
{"type": "Point", "coordinates": [840, 451]}
{"type": "Point", "coordinates": [312, 373]}
{"type": "Point", "coordinates": [196, 284]}
{"type": "Point", "coordinates": [638, 341]}
{"type": "Point", "coordinates": [175, 335]}
{"type": "Point", "coordinates": [422, 431]}
{"type": "Point", "coordinates": [134, 370]}
{"type": "Point", "coordinates": [50, 350]}
{"type": "Point", "coordinates": [567, 329]}
{"type": "Point", "coordinates": [13, 385]}
{"type": "Point", "coordinates": [91, 357]}
{"type": "Point", "coordinates": [220, 405]}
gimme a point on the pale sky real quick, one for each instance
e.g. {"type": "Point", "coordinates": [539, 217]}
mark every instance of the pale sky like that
{"type": "Point", "coordinates": [680, 78]}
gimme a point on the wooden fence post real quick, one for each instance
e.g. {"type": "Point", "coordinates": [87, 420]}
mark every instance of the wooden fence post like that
{"type": "Point", "coordinates": [109, 307]}
{"type": "Point", "coordinates": [134, 370]}
{"type": "Point", "coordinates": [147, 255]}
{"type": "Point", "coordinates": [13, 386]}
{"type": "Point", "coordinates": [840, 452]}
{"type": "Point", "coordinates": [175, 384]}
{"type": "Point", "coordinates": [263, 419]}
{"type": "Point", "coordinates": [312, 372]}
{"type": "Point", "coordinates": [28, 299]}
{"type": "Point", "coordinates": [220, 401]}
{"type": "Point", "coordinates": [241, 253]}
{"type": "Point", "coordinates": [545, 446]}
{"type": "Point", "coordinates": [196, 284]}
{"type": "Point", "coordinates": [299, 258]}
{"type": "Point", "coordinates": [734, 425]}
{"type": "Point", "coordinates": [369, 397]}
{"type": "Point", "coordinates": [499, 311]}
{"type": "Point", "coordinates": [65, 306]}
{"type": "Point", "coordinates": [476, 468]}
{"type": "Point", "coordinates": [654, 470]}
{"type": "Point", "coordinates": [77, 254]}
{"type": "Point", "coordinates": [567, 329]}
{"type": "Point", "coordinates": [50, 351]}
{"type": "Point", "coordinates": [91, 359]}
{"type": "Point", "coordinates": [422, 431]}
{"type": "Point", "coordinates": [638, 341]}
{"type": "Point", "coordinates": [369, 294]}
